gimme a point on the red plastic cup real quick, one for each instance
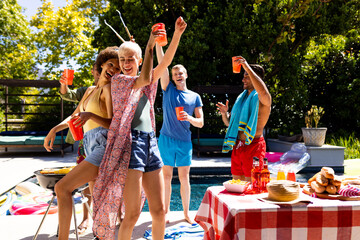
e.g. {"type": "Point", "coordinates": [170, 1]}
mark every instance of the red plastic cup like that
{"type": "Point", "coordinates": [291, 176]}
{"type": "Point", "coordinates": [162, 41]}
{"type": "Point", "coordinates": [178, 110]}
{"type": "Point", "coordinates": [69, 74]}
{"type": "Point", "coordinates": [236, 66]}
{"type": "Point", "coordinates": [77, 132]}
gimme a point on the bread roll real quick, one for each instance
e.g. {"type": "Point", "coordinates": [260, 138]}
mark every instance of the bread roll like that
{"type": "Point", "coordinates": [322, 180]}
{"type": "Point", "coordinates": [317, 187]}
{"type": "Point", "coordinates": [336, 181]}
{"type": "Point", "coordinates": [308, 190]}
{"type": "Point", "coordinates": [347, 181]}
{"type": "Point", "coordinates": [328, 172]}
{"type": "Point", "coordinates": [283, 190]}
{"type": "Point", "coordinates": [331, 189]}
{"type": "Point", "coordinates": [313, 178]}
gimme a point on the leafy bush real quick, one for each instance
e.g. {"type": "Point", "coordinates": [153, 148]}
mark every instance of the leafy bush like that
{"type": "Point", "coordinates": [332, 70]}
{"type": "Point", "coordinates": [299, 43]}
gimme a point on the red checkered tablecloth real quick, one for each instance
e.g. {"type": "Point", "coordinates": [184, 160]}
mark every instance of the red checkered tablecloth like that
{"type": "Point", "coordinates": [229, 216]}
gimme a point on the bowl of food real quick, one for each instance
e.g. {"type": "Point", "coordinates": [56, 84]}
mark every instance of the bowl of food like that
{"type": "Point", "coordinates": [47, 178]}
{"type": "Point", "coordinates": [236, 185]}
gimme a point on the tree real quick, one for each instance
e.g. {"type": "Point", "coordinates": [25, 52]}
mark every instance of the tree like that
{"type": "Point", "coordinates": [332, 69]}
{"type": "Point", "coordinates": [65, 36]}
{"type": "Point", "coordinates": [275, 34]}
{"type": "Point", "coordinates": [62, 36]}
{"type": "Point", "coordinates": [17, 51]}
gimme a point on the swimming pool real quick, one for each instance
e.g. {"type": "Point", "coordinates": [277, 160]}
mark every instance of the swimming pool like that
{"type": "Point", "coordinates": [199, 184]}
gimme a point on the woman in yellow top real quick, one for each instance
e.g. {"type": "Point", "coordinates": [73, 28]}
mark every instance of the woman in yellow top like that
{"type": "Point", "coordinates": [94, 114]}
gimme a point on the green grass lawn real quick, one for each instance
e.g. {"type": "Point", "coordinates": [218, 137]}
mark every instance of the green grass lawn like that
{"type": "Point", "coordinates": [351, 144]}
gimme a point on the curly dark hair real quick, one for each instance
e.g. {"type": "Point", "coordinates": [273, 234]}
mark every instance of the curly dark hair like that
{"type": "Point", "coordinates": [104, 55]}
{"type": "Point", "coordinates": [259, 70]}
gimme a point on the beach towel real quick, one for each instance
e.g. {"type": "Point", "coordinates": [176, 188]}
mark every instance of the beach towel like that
{"type": "Point", "coordinates": [181, 230]}
{"type": "Point", "coordinates": [244, 116]}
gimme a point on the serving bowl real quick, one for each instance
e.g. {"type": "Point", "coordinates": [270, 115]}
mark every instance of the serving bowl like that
{"type": "Point", "coordinates": [235, 187]}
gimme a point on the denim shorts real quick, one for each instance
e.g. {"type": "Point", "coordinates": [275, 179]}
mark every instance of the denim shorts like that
{"type": "Point", "coordinates": [145, 155]}
{"type": "Point", "coordinates": [95, 145]}
{"type": "Point", "coordinates": [174, 152]}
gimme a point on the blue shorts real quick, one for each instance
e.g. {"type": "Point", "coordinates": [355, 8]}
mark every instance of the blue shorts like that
{"type": "Point", "coordinates": [175, 153]}
{"type": "Point", "coordinates": [145, 155]}
{"type": "Point", "coordinates": [95, 145]}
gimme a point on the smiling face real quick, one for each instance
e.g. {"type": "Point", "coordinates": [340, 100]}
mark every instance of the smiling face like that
{"type": "Point", "coordinates": [179, 76]}
{"type": "Point", "coordinates": [129, 62]}
{"type": "Point", "coordinates": [247, 82]}
{"type": "Point", "coordinates": [110, 68]}
{"type": "Point", "coordinates": [130, 58]}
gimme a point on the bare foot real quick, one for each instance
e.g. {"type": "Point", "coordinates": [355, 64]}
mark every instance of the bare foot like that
{"type": "Point", "coordinates": [189, 220]}
{"type": "Point", "coordinates": [83, 226]}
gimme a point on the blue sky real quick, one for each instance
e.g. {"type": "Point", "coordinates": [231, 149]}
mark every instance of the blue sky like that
{"type": "Point", "coordinates": [32, 5]}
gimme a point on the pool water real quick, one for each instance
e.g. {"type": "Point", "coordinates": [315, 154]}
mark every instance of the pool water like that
{"type": "Point", "coordinates": [199, 184]}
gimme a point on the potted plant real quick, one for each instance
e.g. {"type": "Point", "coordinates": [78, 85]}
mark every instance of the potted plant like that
{"type": "Point", "coordinates": [314, 136]}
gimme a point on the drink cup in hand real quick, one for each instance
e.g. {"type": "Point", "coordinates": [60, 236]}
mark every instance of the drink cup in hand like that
{"type": "Point", "coordinates": [178, 111]}
{"type": "Point", "coordinates": [69, 76]}
{"type": "Point", "coordinates": [162, 41]}
{"type": "Point", "coordinates": [236, 65]}
{"type": "Point", "coordinates": [76, 131]}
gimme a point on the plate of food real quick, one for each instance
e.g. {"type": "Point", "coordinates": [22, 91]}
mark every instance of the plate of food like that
{"type": "Point", "coordinates": [237, 186]}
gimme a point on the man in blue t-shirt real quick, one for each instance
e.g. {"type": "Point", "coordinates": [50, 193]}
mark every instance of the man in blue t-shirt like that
{"type": "Point", "coordinates": [175, 137]}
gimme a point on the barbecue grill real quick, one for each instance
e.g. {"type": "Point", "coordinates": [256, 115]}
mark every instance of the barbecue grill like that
{"type": "Point", "coordinates": [48, 181]}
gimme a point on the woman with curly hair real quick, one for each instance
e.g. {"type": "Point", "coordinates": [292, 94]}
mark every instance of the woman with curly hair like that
{"type": "Point", "coordinates": [94, 113]}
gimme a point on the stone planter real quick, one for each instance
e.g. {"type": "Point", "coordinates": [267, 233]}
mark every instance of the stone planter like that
{"type": "Point", "coordinates": [314, 136]}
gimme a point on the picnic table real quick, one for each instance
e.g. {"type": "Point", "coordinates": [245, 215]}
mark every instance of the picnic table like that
{"type": "Point", "coordinates": [225, 215]}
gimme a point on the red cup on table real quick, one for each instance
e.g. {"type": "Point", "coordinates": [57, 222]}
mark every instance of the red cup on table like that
{"type": "Point", "coordinates": [178, 111]}
{"type": "Point", "coordinates": [77, 132]}
{"type": "Point", "coordinates": [236, 65]}
{"type": "Point", "coordinates": [69, 75]}
{"type": "Point", "coordinates": [291, 176]}
{"type": "Point", "coordinates": [162, 41]}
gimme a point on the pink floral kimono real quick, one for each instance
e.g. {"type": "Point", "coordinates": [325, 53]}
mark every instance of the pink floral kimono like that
{"type": "Point", "coordinates": [109, 185]}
